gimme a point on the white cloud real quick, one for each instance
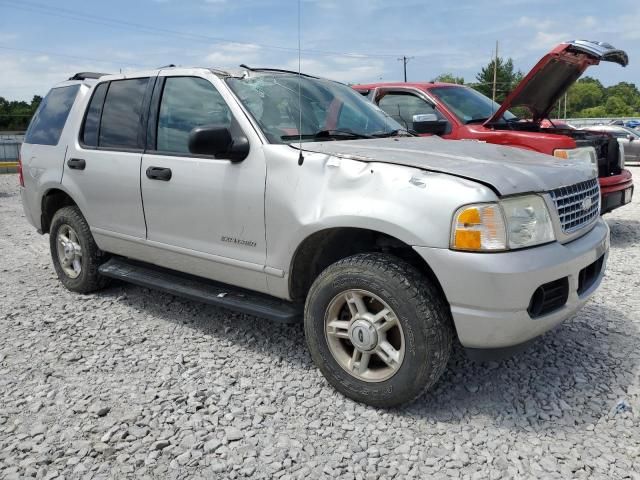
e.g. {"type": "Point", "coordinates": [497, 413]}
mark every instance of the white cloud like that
{"type": "Point", "coordinates": [232, 54]}
{"type": "Point", "coordinates": [343, 69]}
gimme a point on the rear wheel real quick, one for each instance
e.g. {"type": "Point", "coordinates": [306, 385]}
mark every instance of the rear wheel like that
{"type": "Point", "coordinates": [75, 255]}
{"type": "Point", "coordinates": [378, 329]}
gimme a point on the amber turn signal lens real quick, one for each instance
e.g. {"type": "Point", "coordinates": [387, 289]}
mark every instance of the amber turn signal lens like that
{"type": "Point", "coordinates": [478, 228]}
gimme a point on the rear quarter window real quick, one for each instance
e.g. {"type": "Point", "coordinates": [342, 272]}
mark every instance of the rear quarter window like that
{"type": "Point", "coordinates": [48, 121]}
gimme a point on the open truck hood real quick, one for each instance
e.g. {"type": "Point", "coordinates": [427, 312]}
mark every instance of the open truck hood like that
{"type": "Point", "coordinates": [554, 74]}
{"type": "Point", "coordinates": [506, 170]}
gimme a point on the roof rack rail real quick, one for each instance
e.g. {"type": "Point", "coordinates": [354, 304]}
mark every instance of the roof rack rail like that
{"type": "Point", "coordinates": [278, 70]}
{"type": "Point", "coordinates": [86, 75]}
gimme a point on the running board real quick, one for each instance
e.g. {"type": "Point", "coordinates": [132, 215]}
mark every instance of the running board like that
{"type": "Point", "coordinates": [202, 290]}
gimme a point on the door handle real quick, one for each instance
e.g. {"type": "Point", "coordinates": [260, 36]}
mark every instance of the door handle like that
{"type": "Point", "coordinates": [76, 163]}
{"type": "Point", "coordinates": [159, 173]}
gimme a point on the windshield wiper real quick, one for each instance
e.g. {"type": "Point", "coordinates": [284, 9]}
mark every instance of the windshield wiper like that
{"type": "Point", "coordinates": [393, 133]}
{"type": "Point", "coordinates": [328, 134]}
{"type": "Point", "coordinates": [477, 120]}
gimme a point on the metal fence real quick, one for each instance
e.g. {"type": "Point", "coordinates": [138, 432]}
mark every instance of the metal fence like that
{"type": "Point", "coordinates": [9, 150]}
{"type": "Point", "coordinates": [585, 122]}
{"type": "Point", "coordinates": [10, 146]}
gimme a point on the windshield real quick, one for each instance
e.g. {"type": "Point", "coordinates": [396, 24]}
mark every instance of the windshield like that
{"type": "Point", "coordinates": [330, 110]}
{"type": "Point", "coordinates": [631, 131]}
{"type": "Point", "coordinates": [469, 105]}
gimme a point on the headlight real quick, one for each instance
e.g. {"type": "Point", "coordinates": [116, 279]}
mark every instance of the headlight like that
{"type": "Point", "coordinates": [512, 223]}
{"type": "Point", "coordinates": [528, 221]}
{"type": "Point", "coordinates": [582, 154]}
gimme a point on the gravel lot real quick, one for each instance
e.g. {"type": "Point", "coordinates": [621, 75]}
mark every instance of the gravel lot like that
{"type": "Point", "coordinates": [134, 383]}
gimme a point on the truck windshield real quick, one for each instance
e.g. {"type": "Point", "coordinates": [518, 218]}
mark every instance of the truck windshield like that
{"type": "Point", "coordinates": [469, 105]}
{"type": "Point", "coordinates": [329, 110]}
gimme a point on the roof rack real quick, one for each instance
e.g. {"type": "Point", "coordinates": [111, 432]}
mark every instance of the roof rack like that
{"type": "Point", "coordinates": [278, 70]}
{"type": "Point", "coordinates": [86, 75]}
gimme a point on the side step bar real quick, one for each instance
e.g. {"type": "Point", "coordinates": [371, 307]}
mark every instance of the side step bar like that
{"type": "Point", "coordinates": [202, 290]}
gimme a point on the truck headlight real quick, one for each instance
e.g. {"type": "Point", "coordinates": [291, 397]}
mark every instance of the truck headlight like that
{"type": "Point", "coordinates": [512, 223]}
{"type": "Point", "coordinates": [582, 154]}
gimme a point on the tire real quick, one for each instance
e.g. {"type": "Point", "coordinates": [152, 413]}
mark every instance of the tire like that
{"type": "Point", "coordinates": [69, 223]}
{"type": "Point", "coordinates": [383, 282]}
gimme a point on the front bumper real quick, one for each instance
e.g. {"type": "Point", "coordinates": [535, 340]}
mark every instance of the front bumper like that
{"type": "Point", "coordinates": [616, 191]}
{"type": "Point", "coordinates": [489, 293]}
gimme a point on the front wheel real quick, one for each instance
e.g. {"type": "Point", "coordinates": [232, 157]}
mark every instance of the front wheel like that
{"type": "Point", "coordinates": [378, 329]}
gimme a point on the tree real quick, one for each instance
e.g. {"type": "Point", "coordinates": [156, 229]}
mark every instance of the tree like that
{"type": "Point", "coordinates": [449, 78]}
{"type": "Point", "coordinates": [585, 93]}
{"type": "Point", "coordinates": [593, 112]}
{"type": "Point", "coordinates": [506, 79]}
{"type": "Point", "coordinates": [618, 107]}
{"type": "Point", "coordinates": [628, 92]}
{"type": "Point", "coordinates": [15, 115]}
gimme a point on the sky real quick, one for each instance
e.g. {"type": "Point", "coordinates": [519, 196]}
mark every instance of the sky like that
{"type": "Point", "coordinates": [43, 42]}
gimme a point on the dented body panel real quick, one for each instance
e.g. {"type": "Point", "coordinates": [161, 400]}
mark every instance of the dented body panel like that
{"type": "Point", "coordinates": [507, 170]}
{"type": "Point", "coordinates": [410, 204]}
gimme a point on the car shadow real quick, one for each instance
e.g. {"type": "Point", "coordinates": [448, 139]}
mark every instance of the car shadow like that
{"type": "Point", "coordinates": [624, 232]}
{"type": "Point", "coordinates": [565, 377]}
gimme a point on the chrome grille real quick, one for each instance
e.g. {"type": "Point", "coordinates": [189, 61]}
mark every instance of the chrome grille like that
{"type": "Point", "coordinates": [571, 201]}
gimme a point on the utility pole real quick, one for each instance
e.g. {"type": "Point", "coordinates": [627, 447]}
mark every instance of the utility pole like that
{"type": "Point", "coordinates": [404, 61]}
{"type": "Point", "coordinates": [495, 72]}
{"type": "Point", "coordinates": [565, 105]}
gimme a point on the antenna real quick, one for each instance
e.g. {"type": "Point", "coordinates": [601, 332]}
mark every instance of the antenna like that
{"type": "Point", "coordinates": [300, 157]}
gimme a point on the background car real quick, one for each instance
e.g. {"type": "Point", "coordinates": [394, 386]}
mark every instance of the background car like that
{"type": "Point", "coordinates": [459, 112]}
{"type": "Point", "coordinates": [626, 136]}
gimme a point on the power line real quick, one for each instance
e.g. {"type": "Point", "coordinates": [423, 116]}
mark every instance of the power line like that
{"type": "Point", "coordinates": [74, 57]}
{"type": "Point", "coordinates": [110, 22]}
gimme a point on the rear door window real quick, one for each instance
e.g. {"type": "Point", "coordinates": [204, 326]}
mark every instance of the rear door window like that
{"type": "Point", "coordinates": [47, 123]}
{"type": "Point", "coordinates": [121, 114]}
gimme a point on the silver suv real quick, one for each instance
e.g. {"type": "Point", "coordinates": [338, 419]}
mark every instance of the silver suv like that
{"type": "Point", "coordinates": [285, 196]}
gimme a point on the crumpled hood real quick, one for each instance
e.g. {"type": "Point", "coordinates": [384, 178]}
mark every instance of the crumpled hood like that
{"type": "Point", "coordinates": [507, 170]}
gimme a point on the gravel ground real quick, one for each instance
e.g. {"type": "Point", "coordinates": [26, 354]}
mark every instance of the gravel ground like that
{"type": "Point", "coordinates": [134, 383]}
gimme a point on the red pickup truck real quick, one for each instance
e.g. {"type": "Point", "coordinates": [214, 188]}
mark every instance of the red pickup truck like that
{"type": "Point", "coordinates": [459, 112]}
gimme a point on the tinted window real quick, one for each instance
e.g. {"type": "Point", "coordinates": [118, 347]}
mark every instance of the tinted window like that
{"type": "Point", "coordinates": [402, 106]}
{"type": "Point", "coordinates": [121, 113]}
{"type": "Point", "coordinates": [48, 121]}
{"type": "Point", "coordinates": [92, 120]}
{"type": "Point", "coordinates": [188, 102]}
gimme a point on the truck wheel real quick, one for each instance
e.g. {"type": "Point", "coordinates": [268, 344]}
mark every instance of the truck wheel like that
{"type": "Point", "coordinates": [75, 255]}
{"type": "Point", "coordinates": [378, 330]}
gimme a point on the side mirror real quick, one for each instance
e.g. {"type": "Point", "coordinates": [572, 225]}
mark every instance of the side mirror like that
{"type": "Point", "coordinates": [429, 123]}
{"type": "Point", "coordinates": [630, 137]}
{"type": "Point", "coordinates": [218, 141]}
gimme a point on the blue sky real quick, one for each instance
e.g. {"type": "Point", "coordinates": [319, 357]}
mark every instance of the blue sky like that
{"type": "Point", "coordinates": [43, 42]}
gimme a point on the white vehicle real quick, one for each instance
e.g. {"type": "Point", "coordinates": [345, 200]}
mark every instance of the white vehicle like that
{"type": "Point", "coordinates": [286, 196]}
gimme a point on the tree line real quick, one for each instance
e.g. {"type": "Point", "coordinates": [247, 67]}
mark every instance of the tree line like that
{"type": "Point", "coordinates": [15, 115]}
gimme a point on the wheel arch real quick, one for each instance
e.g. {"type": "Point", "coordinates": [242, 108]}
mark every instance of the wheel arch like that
{"type": "Point", "coordinates": [324, 247]}
{"type": "Point", "coordinates": [53, 200]}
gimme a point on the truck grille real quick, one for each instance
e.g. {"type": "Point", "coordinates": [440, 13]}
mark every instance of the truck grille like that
{"type": "Point", "coordinates": [577, 205]}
